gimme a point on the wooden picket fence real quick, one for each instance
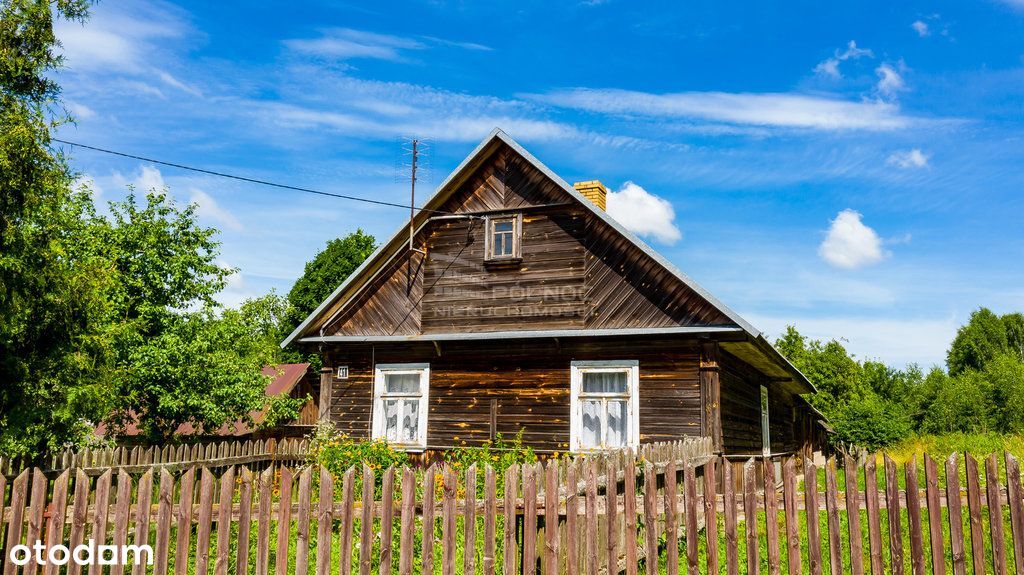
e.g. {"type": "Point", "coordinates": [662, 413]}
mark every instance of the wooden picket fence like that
{"type": "Point", "coordinates": [669, 508]}
{"type": "Point", "coordinates": [137, 459]}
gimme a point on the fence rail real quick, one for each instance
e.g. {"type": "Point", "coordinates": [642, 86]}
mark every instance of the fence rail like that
{"type": "Point", "coordinates": [670, 508]}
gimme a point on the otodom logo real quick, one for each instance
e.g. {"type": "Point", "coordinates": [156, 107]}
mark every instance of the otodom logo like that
{"type": "Point", "coordinates": [87, 553]}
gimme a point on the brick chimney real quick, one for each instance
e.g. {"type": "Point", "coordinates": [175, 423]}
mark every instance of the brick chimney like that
{"type": "Point", "coordinates": [594, 191]}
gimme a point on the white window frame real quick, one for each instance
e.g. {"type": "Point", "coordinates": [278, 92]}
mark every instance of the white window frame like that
{"type": "Point", "coordinates": [379, 396]}
{"type": "Point", "coordinates": [576, 371]}
{"type": "Point", "coordinates": [517, 238]}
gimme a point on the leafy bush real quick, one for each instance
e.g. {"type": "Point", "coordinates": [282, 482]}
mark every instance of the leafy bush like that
{"type": "Point", "coordinates": [500, 454]}
{"type": "Point", "coordinates": [870, 422]}
{"type": "Point", "coordinates": [338, 452]}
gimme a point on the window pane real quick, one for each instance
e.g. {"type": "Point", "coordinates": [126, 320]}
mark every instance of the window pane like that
{"type": "Point", "coordinates": [590, 436]}
{"type": "Point", "coordinates": [606, 382]}
{"type": "Point", "coordinates": [499, 244]}
{"type": "Point", "coordinates": [391, 413]}
{"type": "Point", "coordinates": [410, 421]}
{"type": "Point", "coordinates": [503, 226]}
{"type": "Point", "coordinates": [402, 382]}
{"type": "Point", "coordinates": [618, 424]}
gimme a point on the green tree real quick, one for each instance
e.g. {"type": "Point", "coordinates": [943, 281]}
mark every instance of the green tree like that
{"type": "Point", "coordinates": [51, 359]}
{"type": "Point", "coordinates": [829, 367]}
{"type": "Point", "coordinates": [977, 342]}
{"type": "Point", "coordinates": [1005, 376]}
{"type": "Point", "coordinates": [1014, 323]}
{"type": "Point", "coordinates": [870, 422]}
{"type": "Point", "coordinates": [325, 272]}
{"type": "Point", "coordinates": [962, 404]}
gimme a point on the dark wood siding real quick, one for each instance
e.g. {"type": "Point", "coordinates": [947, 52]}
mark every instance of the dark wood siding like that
{"type": "Point", "coordinates": [741, 410]}
{"type": "Point", "coordinates": [528, 381]}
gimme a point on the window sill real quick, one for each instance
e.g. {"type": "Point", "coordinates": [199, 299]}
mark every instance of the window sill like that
{"type": "Point", "coordinates": [502, 262]}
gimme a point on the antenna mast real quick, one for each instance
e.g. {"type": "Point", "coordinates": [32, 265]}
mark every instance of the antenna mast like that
{"type": "Point", "coordinates": [412, 196]}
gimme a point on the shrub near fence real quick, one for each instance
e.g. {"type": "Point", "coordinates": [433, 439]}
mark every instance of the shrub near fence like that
{"type": "Point", "coordinates": [673, 508]}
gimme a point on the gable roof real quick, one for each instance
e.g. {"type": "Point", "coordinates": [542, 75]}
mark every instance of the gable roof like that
{"type": "Point", "coordinates": [464, 170]}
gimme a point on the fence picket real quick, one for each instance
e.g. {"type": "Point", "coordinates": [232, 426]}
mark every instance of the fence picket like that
{"type": "Point", "coordinates": [205, 521]}
{"type": "Point", "coordinates": [711, 514]}
{"type": "Point", "coordinates": [144, 508]}
{"type": "Point", "coordinates": [245, 491]}
{"type": "Point", "coordinates": [551, 540]}
{"type": "Point", "coordinates": [448, 520]}
{"type": "Point", "coordinates": [427, 549]}
{"type": "Point", "coordinates": [325, 522]}
{"type": "Point", "coordinates": [408, 518]}
{"type": "Point", "coordinates": [490, 519]}
{"type": "Point", "coordinates": [366, 521]}
{"type": "Point", "coordinates": [263, 512]}
{"type": "Point", "coordinates": [750, 516]}
{"type": "Point", "coordinates": [771, 513]}
{"type": "Point", "coordinates": [1013, 495]}
{"type": "Point", "coordinates": [509, 550]}
{"type": "Point", "coordinates": [974, 510]}
{"type": "Point", "coordinates": [227, 491]}
{"type": "Point", "coordinates": [529, 565]}
{"type": "Point", "coordinates": [58, 510]}
{"type": "Point", "coordinates": [164, 516]}
{"type": "Point", "coordinates": [814, 565]}
{"type": "Point", "coordinates": [14, 524]}
{"type": "Point", "coordinates": [37, 509]}
{"type": "Point", "coordinates": [871, 503]}
{"type": "Point", "coordinates": [186, 494]}
{"type": "Point", "coordinates": [995, 515]}
{"type": "Point", "coordinates": [79, 515]}
{"type": "Point", "coordinates": [955, 516]}
{"type": "Point", "coordinates": [690, 502]}
{"type": "Point", "coordinates": [931, 483]}
{"type": "Point", "coordinates": [853, 516]}
{"type": "Point", "coordinates": [572, 557]}
{"type": "Point", "coordinates": [892, 503]}
{"type": "Point", "coordinates": [650, 518]}
{"type": "Point", "coordinates": [732, 552]}
{"type": "Point", "coordinates": [301, 523]}
{"type": "Point", "coordinates": [914, 517]}
{"type": "Point", "coordinates": [469, 523]}
{"type": "Point", "coordinates": [122, 514]}
{"type": "Point", "coordinates": [387, 516]}
{"type": "Point", "coordinates": [835, 561]}
{"type": "Point", "coordinates": [789, 504]}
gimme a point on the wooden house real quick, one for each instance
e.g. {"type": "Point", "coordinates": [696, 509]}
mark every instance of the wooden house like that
{"type": "Point", "coordinates": [513, 302]}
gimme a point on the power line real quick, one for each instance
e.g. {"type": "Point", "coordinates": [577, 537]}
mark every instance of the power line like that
{"type": "Point", "coordinates": [244, 179]}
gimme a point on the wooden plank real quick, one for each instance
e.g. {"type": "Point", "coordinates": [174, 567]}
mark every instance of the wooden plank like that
{"type": "Point", "coordinates": [1013, 494]}
{"type": "Point", "coordinates": [58, 511]}
{"type": "Point", "coordinates": [469, 522]}
{"type": "Point", "coordinates": [711, 515]}
{"type": "Point", "coordinates": [832, 515]}
{"type": "Point", "coordinates": [205, 522]}
{"type": "Point", "coordinates": [732, 552]}
{"type": "Point", "coordinates": [629, 512]}
{"type": "Point", "coordinates": [955, 516]}
{"type": "Point", "coordinates": [974, 511]}
{"type": "Point", "coordinates": [814, 565]}
{"type": "Point", "coordinates": [263, 520]}
{"type": "Point", "coordinates": [771, 513]}
{"type": "Point", "coordinates": [245, 491]}
{"type": "Point", "coordinates": [572, 550]}
{"type": "Point", "coordinates": [854, 533]}
{"type": "Point", "coordinates": [750, 516]}
{"type": "Point", "coordinates": [79, 516]}
{"type": "Point", "coordinates": [892, 499]}
{"type": "Point", "coordinates": [871, 503]}
{"type": "Point", "coordinates": [448, 521]}
{"type": "Point", "coordinates": [302, 523]}
{"type": "Point", "coordinates": [995, 515]}
{"type": "Point", "coordinates": [671, 500]}
{"type": "Point", "coordinates": [100, 514]}
{"type": "Point", "coordinates": [186, 494]}
{"type": "Point", "coordinates": [650, 519]}
{"type": "Point", "coordinates": [19, 494]}
{"type": "Point", "coordinates": [224, 504]}
{"type": "Point", "coordinates": [144, 508]}
{"type": "Point", "coordinates": [529, 565]}
{"type": "Point", "coordinates": [37, 509]}
{"type": "Point", "coordinates": [408, 519]}
{"type": "Point", "coordinates": [366, 521]}
{"type": "Point", "coordinates": [551, 540]}
{"type": "Point", "coordinates": [789, 504]}
{"type": "Point", "coordinates": [325, 523]}
{"type": "Point", "coordinates": [917, 562]}
{"type": "Point", "coordinates": [490, 519]}
{"type": "Point", "coordinates": [509, 551]}
{"type": "Point", "coordinates": [284, 520]}
{"type": "Point", "coordinates": [427, 545]}
{"type": "Point", "coordinates": [692, 533]}
{"type": "Point", "coordinates": [164, 518]}
{"type": "Point", "coordinates": [122, 513]}
{"type": "Point", "coordinates": [931, 484]}
{"type": "Point", "coordinates": [387, 516]}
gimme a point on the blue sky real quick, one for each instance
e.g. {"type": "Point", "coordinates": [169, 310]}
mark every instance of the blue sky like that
{"type": "Point", "coordinates": [854, 169]}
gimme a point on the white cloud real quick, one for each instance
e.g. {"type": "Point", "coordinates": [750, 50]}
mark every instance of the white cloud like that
{"type": "Point", "coordinates": [890, 80]}
{"type": "Point", "coordinates": [170, 80]}
{"type": "Point", "coordinates": [784, 110]}
{"type": "Point", "coordinates": [79, 111]}
{"type": "Point", "coordinates": [850, 244]}
{"type": "Point", "coordinates": [118, 40]}
{"type": "Point", "coordinates": [149, 179]}
{"type": "Point", "coordinates": [907, 159]}
{"type": "Point", "coordinates": [644, 213]}
{"type": "Point", "coordinates": [921, 28]}
{"type": "Point", "coordinates": [208, 208]}
{"type": "Point", "coordinates": [345, 44]}
{"type": "Point", "coordinates": [830, 66]}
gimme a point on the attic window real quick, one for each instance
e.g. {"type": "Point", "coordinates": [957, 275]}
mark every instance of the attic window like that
{"type": "Point", "coordinates": [504, 238]}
